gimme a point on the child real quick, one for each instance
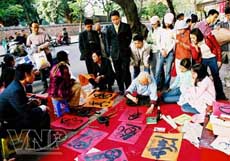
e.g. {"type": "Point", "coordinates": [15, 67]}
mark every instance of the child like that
{"type": "Point", "coordinates": [181, 83]}
{"type": "Point", "coordinates": [209, 57]}
{"type": "Point", "coordinates": [202, 93]}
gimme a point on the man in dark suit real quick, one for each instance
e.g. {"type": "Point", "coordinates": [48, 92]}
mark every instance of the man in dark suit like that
{"type": "Point", "coordinates": [119, 37]}
{"type": "Point", "coordinates": [16, 109]}
{"type": "Point", "coordinates": [103, 72]}
{"type": "Point", "coordinates": [89, 42]}
{"type": "Point", "coordinates": [102, 36]}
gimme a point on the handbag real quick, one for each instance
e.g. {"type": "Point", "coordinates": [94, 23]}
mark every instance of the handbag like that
{"type": "Point", "coordinates": [41, 60]}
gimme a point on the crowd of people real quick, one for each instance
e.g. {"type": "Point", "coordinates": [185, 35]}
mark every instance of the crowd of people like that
{"type": "Point", "coordinates": [185, 47]}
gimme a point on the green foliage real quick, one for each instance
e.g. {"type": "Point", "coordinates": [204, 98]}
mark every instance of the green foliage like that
{"type": "Point", "coordinates": [48, 10]}
{"type": "Point", "coordinates": [10, 13]}
{"type": "Point", "coordinates": [14, 11]}
{"type": "Point", "coordinates": [77, 10]}
{"type": "Point", "coordinates": [152, 9]}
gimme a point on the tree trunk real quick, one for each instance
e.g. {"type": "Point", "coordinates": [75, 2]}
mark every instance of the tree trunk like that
{"type": "Point", "coordinates": [170, 5]}
{"type": "Point", "coordinates": [130, 9]}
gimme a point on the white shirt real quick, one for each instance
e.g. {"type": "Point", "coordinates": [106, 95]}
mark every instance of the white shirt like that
{"type": "Point", "coordinates": [141, 54]}
{"type": "Point", "coordinates": [205, 50]}
{"type": "Point", "coordinates": [167, 39]}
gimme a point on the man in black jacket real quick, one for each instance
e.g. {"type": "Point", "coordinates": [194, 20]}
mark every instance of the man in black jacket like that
{"type": "Point", "coordinates": [89, 42]}
{"type": "Point", "coordinates": [17, 110]}
{"type": "Point", "coordinates": [102, 36]}
{"type": "Point", "coordinates": [119, 37]}
{"type": "Point", "coordinates": [103, 72]}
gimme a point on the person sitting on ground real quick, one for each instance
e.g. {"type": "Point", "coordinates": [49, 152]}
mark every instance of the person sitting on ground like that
{"type": "Point", "coordinates": [199, 97]}
{"type": "Point", "coordinates": [140, 54]}
{"type": "Point", "coordinates": [103, 72]}
{"type": "Point", "coordinates": [146, 89]}
{"type": "Point", "coordinates": [65, 36]}
{"type": "Point", "coordinates": [7, 77]}
{"type": "Point", "coordinates": [180, 84]}
{"type": "Point", "coordinates": [63, 85]}
{"type": "Point", "coordinates": [8, 71]}
{"type": "Point", "coordinates": [20, 112]}
{"type": "Point", "coordinates": [9, 62]}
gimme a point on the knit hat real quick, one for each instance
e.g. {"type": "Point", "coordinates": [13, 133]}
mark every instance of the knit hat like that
{"type": "Point", "coordinates": [168, 18]}
{"type": "Point", "coordinates": [181, 24]}
{"type": "Point", "coordinates": [154, 19]}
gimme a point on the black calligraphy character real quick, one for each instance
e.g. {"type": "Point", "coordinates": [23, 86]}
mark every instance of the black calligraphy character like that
{"type": "Point", "coordinates": [100, 104]}
{"type": "Point", "coordinates": [134, 116]}
{"type": "Point", "coordinates": [70, 121]}
{"type": "Point", "coordinates": [163, 145]}
{"type": "Point", "coordinates": [127, 132]}
{"type": "Point", "coordinates": [225, 109]}
{"type": "Point", "coordinates": [85, 140]}
{"type": "Point", "coordinates": [103, 95]}
{"type": "Point", "coordinates": [109, 155]}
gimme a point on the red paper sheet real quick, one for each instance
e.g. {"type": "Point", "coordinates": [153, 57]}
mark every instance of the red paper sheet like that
{"type": "Point", "coordinates": [133, 114]}
{"type": "Point", "coordinates": [85, 140]}
{"type": "Point", "coordinates": [69, 122]}
{"type": "Point", "coordinates": [127, 132]}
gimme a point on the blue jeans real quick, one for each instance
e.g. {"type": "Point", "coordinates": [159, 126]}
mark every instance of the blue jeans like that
{"type": "Point", "coordinates": [160, 63]}
{"type": "Point", "coordinates": [212, 64]}
{"type": "Point", "coordinates": [172, 96]}
{"type": "Point", "coordinates": [188, 108]}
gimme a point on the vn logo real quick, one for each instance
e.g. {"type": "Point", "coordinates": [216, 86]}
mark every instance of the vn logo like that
{"type": "Point", "coordinates": [31, 141]}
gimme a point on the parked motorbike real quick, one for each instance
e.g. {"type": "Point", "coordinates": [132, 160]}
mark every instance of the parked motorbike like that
{"type": "Point", "coordinates": [16, 49]}
{"type": "Point", "coordinates": [63, 40]}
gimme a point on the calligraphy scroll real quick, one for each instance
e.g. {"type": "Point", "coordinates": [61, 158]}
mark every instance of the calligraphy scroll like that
{"type": "Point", "coordinates": [116, 154]}
{"type": "Point", "coordinates": [133, 115]}
{"type": "Point", "coordinates": [84, 141]}
{"type": "Point", "coordinates": [222, 144]}
{"type": "Point", "coordinates": [127, 132]}
{"type": "Point", "coordinates": [69, 122]}
{"type": "Point", "coordinates": [100, 99]}
{"type": "Point", "coordinates": [163, 146]}
{"type": "Point", "coordinates": [182, 119]}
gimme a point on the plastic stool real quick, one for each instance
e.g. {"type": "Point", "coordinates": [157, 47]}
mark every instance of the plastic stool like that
{"type": "Point", "coordinates": [60, 107]}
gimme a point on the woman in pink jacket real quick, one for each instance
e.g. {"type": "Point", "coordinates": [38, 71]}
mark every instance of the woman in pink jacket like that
{"type": "Point", "coordinates": [202, 93]}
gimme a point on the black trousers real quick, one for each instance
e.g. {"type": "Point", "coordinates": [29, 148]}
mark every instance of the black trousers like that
{"type": "Point", "coordinates": [104, 84]}
{"type": "Point", "coordinates": [89, 65]}
{"type": "Point", "coordinates": [122, 71]}
{"type": "Point", "coordinates": [37, 121]}
{"type": "Point", "coordinates": [142, 101]}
